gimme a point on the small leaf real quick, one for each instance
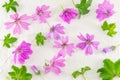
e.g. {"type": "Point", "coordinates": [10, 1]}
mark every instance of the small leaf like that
{"type": "Point", "coordinates": [76, 74]}
{"type": "Point", "coordinates": [20, 73]}
{"type": "Point", "coordinates": [11, 5]}
{"type": "Point", "coordinates": [8, 40]}
{"type": "Point", "coordinates": [85, 69]}
{"type": "Point", "coordinates": [83, 7]}
{"type": "Point", "coordinates": [110, 27]}
{"type": "Point", "coordinates": [109, 69]}
{"type": "Point", "coordinates": [117, 67]}
{"type": "Point", "coordinates": [40, 39]}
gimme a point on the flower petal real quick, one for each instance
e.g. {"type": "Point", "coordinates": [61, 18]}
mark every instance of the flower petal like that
{"type": "Point", "coordinates": [65, 39]}
{"type": "Point", "coordinates": [17, 29]}
{"type": "Point", "coordinates": [89, 37]}
{"type": "Point", "coordinates": [25, 25]}
{"type": "Point", "coordinates": [47, 69]}
{"type": "Point", "coordinates": [9, 25]}
{"type": "Point", "coordinates": [81, 37]}
{"type": "Point", "coordinates": [14, 16]}
{"type": "Point", "coordinates": [81, 45]}
{"type": "Point", "coordinates": [56, 36]}
{"type": "Point", "coordinates": [56, 70]}
{"type": "Point", "coordinates": [57, 44]}
{"type": "Point", "coordinates": [95, 44]}
{"type": "Point", "coordinates": [88, 50]}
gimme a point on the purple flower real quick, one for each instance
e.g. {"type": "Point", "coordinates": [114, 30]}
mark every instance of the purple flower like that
{"type": "Point", "coordinates": [109, 49]}
{"type": "Point", "coordinates": [87, 43]}
{"type": "Point", "coordinates": [35, 69]}
{"type": "Point", "coordinates": [22, 52]}
{"type": "Point", "coordinates": [65, 47]}
{"type": "Point", "coordinates": [105, 10]}
{"type": "Point", "coordinates": [18, 22]}
{"type": "Point", "coordinates": [68, 14]}
{"type": "Point", "coordinates": [56, 31]}
{"type": "Point", "coordinates": [55, 65]}
{"type": "Point", "coordinates": [42, 13]}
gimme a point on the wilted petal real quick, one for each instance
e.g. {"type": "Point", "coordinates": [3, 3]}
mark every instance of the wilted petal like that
{"type": "Point", "coordinates": [47, 69]}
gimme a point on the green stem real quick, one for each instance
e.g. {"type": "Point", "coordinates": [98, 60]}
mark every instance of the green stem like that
{"type": "Point", "coordinates": [73, 2]}
{"type": "Point", "coordinates": [48, 24]}
{"type": "Point", "coordinates": [62, 7]}
{"type": "Point", "coordinates": [84, 77]}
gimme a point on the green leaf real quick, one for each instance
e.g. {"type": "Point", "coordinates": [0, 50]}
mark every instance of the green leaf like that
{"type": "Point", "coordinates": [109, 69]}
{"type": "Point", "coordinates": [83, 7]}
{"type": "Point", "coordinates": [40, 39]}
{"type": "Point", "coordinates": [117, 67]}
{"type": "Point", "coordinates": [110, 28]}
{"type": "Point", "coordinates": [20, 73]}
{"type": "Point", "coordinates": [83, 70]}
{"type": "Point", "coordinates": [11, 5]}
{"type": "Point", "coordinates": [8, 40]}
{"type": "Point", "coordinates": [76, 74]}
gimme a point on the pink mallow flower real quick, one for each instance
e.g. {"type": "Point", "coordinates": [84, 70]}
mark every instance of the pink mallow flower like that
{"type": "Point", "coordinates": [56, 31]}
{"type": "Point", "coordinates": [18, 22]}
{"type": "Point", "coordinates": [109, 49]}
{"type": "Point", "coordinates": [65, 47]}
{"type": "Point", "coordinates": [105, 10]}
{"type": "Point", "coordinates": [87, 43]}
{"type": "Point", "coordinates": [42, 13]}
{"type": "Point", "coordinates": [55, 65]}
{"type": "Point", "coordinates": [22, 52]}
{"type": "Point", "coordinates": [68, 14]}
{"type": "Point", "coordinates": [35, 69]}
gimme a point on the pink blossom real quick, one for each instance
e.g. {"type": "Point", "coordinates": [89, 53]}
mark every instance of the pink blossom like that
{"type": "Point", "coordinates": [68, 14]}
{"type": "Point", "coordinates": [55, 65]}
{"type": "Point", "coordinates": [56, 31]}
{"type": "Point", "coordinates": [87, 43]}
{"type": "Point", "coordinates": [109, 49]}
{"type": "Point", "coordinates": [18, 22]}
{"type": "Point", "coordinates": [105, 10]}
{"type": "Point", "coordinates": [35, 69]}
{"type": "Point", "coordinates": [65, 47]}
{"type": "Point", "coordinates": [22, 52]}
{"type": "Point", "coordinates": [42, 13]}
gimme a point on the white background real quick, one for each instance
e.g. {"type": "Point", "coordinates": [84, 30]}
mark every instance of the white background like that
{"type": "Point", "coordinates": [86, 24]}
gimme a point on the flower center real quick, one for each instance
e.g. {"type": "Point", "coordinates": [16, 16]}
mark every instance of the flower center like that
{"type": "Point", "coordinates": [107, 12]}
{"type": "Point", "coordinates": [88, 42]}
{"type": "Point", "coordinates": [66, 13]}
{"type": "Point", "coordinates": [64, 45]}
{"type": "Point", "coordinates": [17, 20]}
{"type": "Point", "coordinates": [19, 51]}
{"type": "Point", "coordinates": [52, 29]}
{"type": "Point", "coordinates": [40, 12]}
